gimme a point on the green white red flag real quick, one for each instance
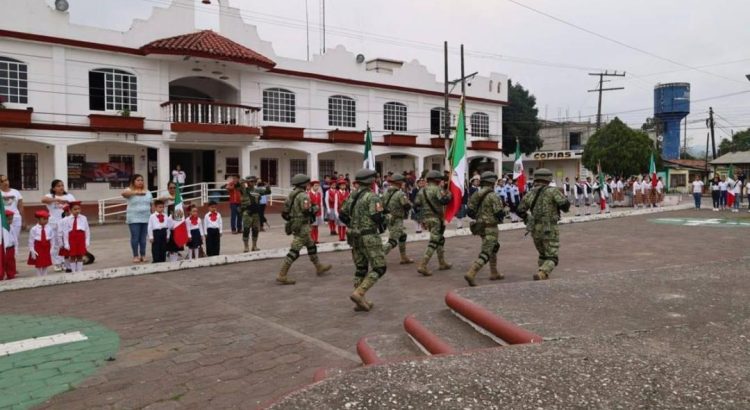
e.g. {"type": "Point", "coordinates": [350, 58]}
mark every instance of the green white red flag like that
{"type": "Point", "coordinates": [602, 187]}
{"type": "Point", "coordinates": [369, 159]}
{"type": "Point", "coordinates": [518, 174]}
{"type": "Point", "coordinates": [459, 166]}
{"type": "Point", "coordinates": [730, 186]}
{"type": "Point", "coordinates": [652, 172]}
{"type": "Point", "coordinates": [180, 232]}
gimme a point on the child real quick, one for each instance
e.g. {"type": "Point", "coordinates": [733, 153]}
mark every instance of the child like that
{"type": "Point", "coordinates": [195, 227]}
{"type": "Point", "coordinates": [316, 199]}
{"type": "Point", "coordinates": [62, 252]}
{"type": "Point", "coordinates": [330, 201]}
{"type": "Point", "coordinates": [76, 236]}
{"type": "Point", "coordinates": [158, 232]}
{"type": "Point", "coordinates": [173, 251]}
{"type": "Point", "coordinates": [341, 196]}
{"type": "Point", "coordinates": [8, 270]}
{"type": "Point", "coordinates": [40, 243]}
{"type": "Point", "coordinates": [212, 222]}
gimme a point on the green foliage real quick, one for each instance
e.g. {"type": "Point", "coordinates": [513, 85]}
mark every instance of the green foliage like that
{"type": "Point", "coordinates": [740, 142]}
{"type": "Point", "coordinates": [520, 121]}
{"type": "Point", "coordinates": [620, 149]}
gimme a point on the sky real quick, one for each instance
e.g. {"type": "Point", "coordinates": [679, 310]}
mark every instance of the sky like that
{"type": "Point", "coordinates": [549, 46]}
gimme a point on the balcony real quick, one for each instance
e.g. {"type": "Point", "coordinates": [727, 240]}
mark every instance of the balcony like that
{"type": "Point", "coordinates": [211, 117]}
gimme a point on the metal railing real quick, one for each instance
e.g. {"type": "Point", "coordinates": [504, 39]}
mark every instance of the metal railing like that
{"type": "Point", "coordinates": [207, 112]}
{"type": "Point", "coordinates": [115, 208]}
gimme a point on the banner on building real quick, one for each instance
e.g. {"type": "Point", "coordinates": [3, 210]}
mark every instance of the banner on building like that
{"type": "Point", "coordinates": [83, 172]}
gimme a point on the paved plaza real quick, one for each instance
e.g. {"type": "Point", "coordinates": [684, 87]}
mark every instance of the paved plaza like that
{"type": "Point", "coordinates": [228, 337]}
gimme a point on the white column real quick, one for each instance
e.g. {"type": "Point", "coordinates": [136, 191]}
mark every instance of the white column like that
{"type": "Point", "coordinates": [313, 165]}
{"type": "Point", "coordinates": [163, 173]}
{"type": "Point", "coordinates": [420, 165]}
{"type": "Point", "coordinates": [245, 161]}
{"type": "Point", "coordinates": [60, 161]}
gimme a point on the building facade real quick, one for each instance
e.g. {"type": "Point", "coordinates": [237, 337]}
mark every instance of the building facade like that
{"type": "Point", "coordinates": [92, 106]}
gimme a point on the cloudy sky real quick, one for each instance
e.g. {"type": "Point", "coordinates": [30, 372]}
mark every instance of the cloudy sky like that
{"type": "Point", "coordinates": [549, 46]}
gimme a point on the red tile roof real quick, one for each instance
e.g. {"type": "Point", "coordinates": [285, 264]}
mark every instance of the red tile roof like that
{"type": "Point", "coordinates": [207, 44]}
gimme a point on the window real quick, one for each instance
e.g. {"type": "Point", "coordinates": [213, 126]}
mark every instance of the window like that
{"type": "Point", "coordinates": [575, 140]}
{"type": "Point", "coordinates": [269, 170]}
{"type": "Point", "coordinates": [326, 167]}
{"type": "Point", "coordinates": [76, 162]}
{"type": "Point", "coordinates": [232, 166]}
{"type": "Point", "coordinates": [23, 171]}
{"type": "Point", "coordinates": [112, 90]}
{"type": "Point", "coordinates": [499, 86]}
{"type": "Point", "coordinates": [677, 180]}
{"type": "Point", "coordinates": [394, 116]}
{"type": "Point", "coordinates": [342, 111]}
{"type": "Point", "coordinates": [490, 85]}
{"type": "Point", "coordinates": [278, 105]}
{"type": "Point", "coordinates": [299, 166]}
{"type": "Point", "coordinates": [437, 121]}
{"type": "Point", "coordinates": [122, 169]}
{"type": "Point", "coordinates": [480, 125]}
{"type": "Point", "coordinates": [13, 81]}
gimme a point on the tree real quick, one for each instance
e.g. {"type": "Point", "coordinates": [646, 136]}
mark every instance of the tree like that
{"type": "Point", "coordinates": [620, 149]}
{"type": "Point", "coordinates": [520, 121]}
{"type": "Point", "coordinates": [740, 142]}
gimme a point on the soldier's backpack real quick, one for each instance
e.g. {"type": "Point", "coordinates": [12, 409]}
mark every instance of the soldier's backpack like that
{"type": "Point", "coordinates": [344, 214]}
{"type": "Point", "coordinates": [472, 212]}
{"type": "Point", "coordinates": [286, 213]}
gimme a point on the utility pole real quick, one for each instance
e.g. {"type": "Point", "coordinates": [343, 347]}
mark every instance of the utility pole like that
{"type": "Point", "coordinates": [710, 123]}
{"type": "Point", "coordinates": [446, 117]}
{"type": "Point", "coordinates": [601, 89]}
{"type": "Point", "coordinates": [463, 87]}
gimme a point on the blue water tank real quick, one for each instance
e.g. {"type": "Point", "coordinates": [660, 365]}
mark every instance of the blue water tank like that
{"type": "Point", "coordinates": [671, 105]}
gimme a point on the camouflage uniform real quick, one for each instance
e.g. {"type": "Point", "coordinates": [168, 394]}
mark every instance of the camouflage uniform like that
{"type": "Point", "coordinates": [298, 213]}
{"type": "Point", "coordinates": [363, 219]}
{"type": "Point", "coordinates": [541, 222]}
{"type": "Point", "coordinates": [250, 206]}
{"type": "Point", "coordinates": [487, 210]}
{"type": "Point", "coordinates": [431, 201]}
{"type": "Point", "coordinates": [396, 207]}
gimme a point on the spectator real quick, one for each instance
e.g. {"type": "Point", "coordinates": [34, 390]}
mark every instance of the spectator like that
{"type": "Point", "coordinates": [178, 175]}
{"type": "Point", "coordinates": [262, 203]}
{"type": "Point", "coordinates": [723, 186]}
{"type": "Point", "coordinates": [235, 204]}
{"type": "Point", "coordinates": [13, 202]}
{"type": "Point", "coordinates": [137, 215]}
{"type": "Point", "coordinates": [716, 192]}
{"type": "Point", "coordinates": [168, 197]}
{"type": "Point", "coordinates": [56, 201]}
{"type": "Point", "coordinates": [697, 192]}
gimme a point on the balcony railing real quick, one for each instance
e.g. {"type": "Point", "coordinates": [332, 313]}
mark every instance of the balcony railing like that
{"type": "Point", "coordinates": [211, 113]}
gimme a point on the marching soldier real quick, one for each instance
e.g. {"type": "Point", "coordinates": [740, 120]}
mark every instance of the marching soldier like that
{"type": "Point", "coordinates": [250, 206]}
{"type": "Point", "coordinates": [487, 210]}
{"type": "Point", "coordinates": [363, 213]}
{"type": "Point", "coordinates": [431, 201]}
{"type": "Point", "coordinates": [396, 206]}
{"type": "Point", "coordinates": [299, 213]}
{"type": "Point", "coordinates": [540, 210]}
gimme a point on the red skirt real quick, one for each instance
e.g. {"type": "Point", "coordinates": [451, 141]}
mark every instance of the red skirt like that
{"type": "Point", "coordinates": [77, 242]}
{"type": "Point", "coordinates": [44, 254]}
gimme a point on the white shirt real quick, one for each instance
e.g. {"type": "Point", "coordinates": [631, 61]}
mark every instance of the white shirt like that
{"type": "Point", "coordinates": [193, 226]}
{"type": "Point", "coordinates": [67, 227]}
{"type": "Point", "coordinates": [566, 188]}
{"type": "Point", "coordinates": [659, 186]}
{"type": "Point", "coordinates": [155, 225]}
{"type": "Point", "coordinates": [55, 209]}
{"type": "Point", "coordinates": [179, 176]}
{"type": "Point", "coordinates": [620, 186]}
{"type": "Point", "coordinates": [9, 240]}
{"type": "Point", "coordinates": [737, 188]}
{"type": "Point", "coordinates": [636, 187]}
{"type": "Point", "coordinates": [35, 234]}
{"type": "Point", "coordinates": [697, 187]}
{"type": "Point", "coordinates": [11, 199]}
{"type": "Point", "coordinates": [208, 223]}
{"type": "Point", "coordinates": [722, 185]}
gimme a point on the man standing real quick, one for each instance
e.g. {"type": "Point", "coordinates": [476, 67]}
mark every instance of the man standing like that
{"type": "Point", "coordinates": [235, 204]}
{"type": "Point", "coordinates": [298, 212]}
{"type": "Point", "coordinates": [431, 201]}
{"type": "Point", "coordinates": [250, 203]}
{"type": "Point", "coordinates": [487, 210]}
{"type": "Point", "coordinates": [179, 176]}
{"type": "Point", "coordinates": [540, 210]}
{"type": "Point", "coordinates": [363, 212]}
{"type": "Point", "coordinates": [396, 206]}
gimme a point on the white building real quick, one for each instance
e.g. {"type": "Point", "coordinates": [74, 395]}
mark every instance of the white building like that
{"type": "Point", "coordinates": [216, 103]}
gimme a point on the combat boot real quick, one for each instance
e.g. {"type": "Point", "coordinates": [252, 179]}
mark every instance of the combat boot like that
{"type": "Point", "coordinates": [357, 282]}
{"type": "Point", "coordinates": [494, 274]}
{"type": "Point", "coordinates": [358, 296]}
{"type": "Point", "coordinates": [405, 260]}
{"type": "Point", "coordinates": [472, 274]}
{"type": "Point", "coordinates": [255, 245]}
{"type": "Point", "coordinates": [283, 279]}
{"type": "Point", "coordinates": [321, 269]}
{"type": "Point", "coordinates": [246, 247]}
{"type": "Point", "coordinates": [422, 267]}
{"type": "Point", "coordinates": [443, 265]}
{"type": "Point", "coordinates": [541, 275]}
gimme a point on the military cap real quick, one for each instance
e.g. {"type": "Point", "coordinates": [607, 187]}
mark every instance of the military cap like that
{"type": "Point", "coordinates": [365, 176]}
{"type": "Point", "coordinates": [488, 176]}
{"type": "Point", "coordinates": [300, 179]}
{"type": "Point", "coordinates": [434, 175]}
{"type": "Point", "coordinates": [543, 174]}
{"type": "Point", "coordinates": [397, 178]}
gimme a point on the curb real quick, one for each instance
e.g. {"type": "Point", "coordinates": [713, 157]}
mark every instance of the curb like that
{"type": "Point", "coordinates": [366, 353]}
{"type": "Point", "coordinates": [505, 330]}
{"type": "Point", "coordinates": [430, 341]}
{"type": "Point", "coordinates": [135, 270]}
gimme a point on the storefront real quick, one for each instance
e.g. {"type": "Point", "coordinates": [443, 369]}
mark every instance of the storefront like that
{"type": "Point", "coordinates": [563, 163]}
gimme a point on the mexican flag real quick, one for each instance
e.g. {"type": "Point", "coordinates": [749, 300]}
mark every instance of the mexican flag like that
{"type": "Point", "coordinates": [4, 236]}
{"type": "Point", "coordinates": [459, 167]}
{"type": "Point", "coordinates": [369, 161]}
{"type": "Point", "coordinates": [602, 187]}
{"type": "Point", "coordinates": [180, 232]}
{"type": "Point", "coordinates": [730, 186]}
{"type": "Point", "coordinates": [652, 172]}
{"type": "Point", "coordinates": [518, 174]}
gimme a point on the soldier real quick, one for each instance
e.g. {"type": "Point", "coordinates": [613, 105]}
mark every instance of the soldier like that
{"type": "Point", "coordinates": [431, 201]}
{"type": "Point", "coordinates": [396, 206]}
{"type": "Point", "coordinates": [298, 213]}
{"type": "Point", "coordinates": [487, 210]}
{"type": "Point", "coordinates": [363, 213]}
{"type": "Point", "coordinates": [540, 210]}
{"type": "Point", "coordinates": [250, 206]}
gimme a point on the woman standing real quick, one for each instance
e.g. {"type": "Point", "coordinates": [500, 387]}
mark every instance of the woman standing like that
{"type": "Point", "coordinates": [13, 202]}
{"type": "Point", "coordinates": [56, 201]}
{"type": "Point", "coordinates": [137, 214]}
{"type": "Point", "coordinates": [716, 192]}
